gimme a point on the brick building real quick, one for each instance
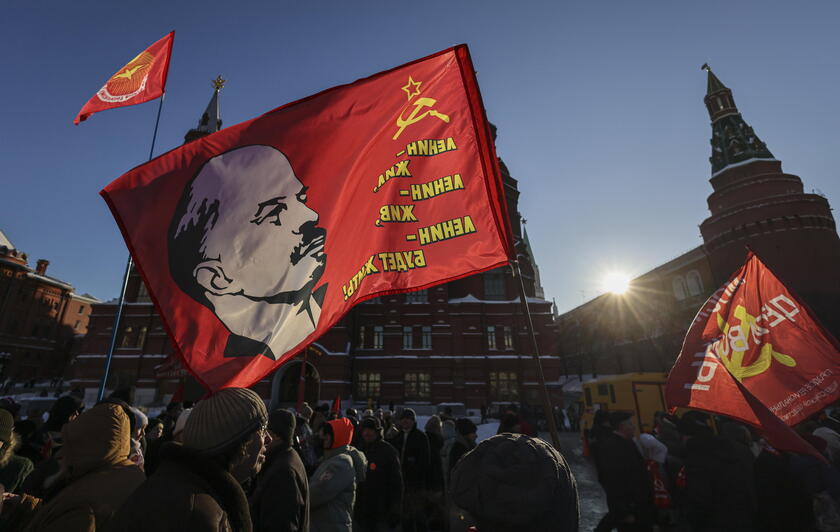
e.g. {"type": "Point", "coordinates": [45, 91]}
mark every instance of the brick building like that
{"type": "Point", "coordinates": [40, 319]}
{"type": "Point", "coordinates": [462, 342]}
{"type": "Point", "coordinates": [753, 204]}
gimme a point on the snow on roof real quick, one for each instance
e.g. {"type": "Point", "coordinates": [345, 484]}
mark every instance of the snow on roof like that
{"type": "Point", "coordinates": [472, 299]}
{"type": "Point", "coordinates": [51, 280]}
{"type": "Point", "coordinates": [4, 241]}
{"type": "Point", "coordinates": [742, 163]}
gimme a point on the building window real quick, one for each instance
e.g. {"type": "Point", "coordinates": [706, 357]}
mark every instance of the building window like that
{"type": "Point", "coordinates": [361, 339]}
{"type": "Point", "coordinates": [378, 336]}
{"type": "Point", "coordinates": [143, 294]}
{"type": "Point", "coordinates": [367, 385]}
{"type": "Point", "coordinates": [504, 386]}
{"type": "Point", "coordinates": [417, 386]}
{"type": "Point", "coordinates": [407, 338]}
{"type": "Point", "coordinates": [494, 286]}
{"type": "Point", "coordinates": [491, 337]}
{"type": "Point", "coordinates": [680, 290]}
{"type": "Point", "coordinates": [128, 333]}
{"type": "Point", "coordinates": [508, 338]}
{"type": "Point", "coordinates": [81, 309]}
{"type": "Point", "coordinates": [141, 337]}
{"type": "Point", "coordinates": [427, 337]}
{"type": "Point", "coordinates": [76, 327]}
{"type": "Point", "coordinates": [694, 282]}
{"type": "Point", "coordinates": [420, 296]}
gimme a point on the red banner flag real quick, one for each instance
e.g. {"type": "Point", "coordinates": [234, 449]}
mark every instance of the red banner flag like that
{"type": "Point", "coordinates": [755, 353]}
{"type": "Point", "coordinates": [255, 240]}
{"type": "Point", "coordinates": [141, 80]}
{"type": "Point", "coordinates": [336, 406]}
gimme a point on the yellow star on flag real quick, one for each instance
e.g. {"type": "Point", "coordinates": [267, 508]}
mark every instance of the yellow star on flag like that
{"type": "Point", "coordinates": [412, 88]}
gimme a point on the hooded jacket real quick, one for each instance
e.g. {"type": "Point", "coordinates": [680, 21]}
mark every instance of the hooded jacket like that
{"type": "Point", "coordinates": [187, 492]}
{"type": "Point", "coordinates": [99, 475]}
{"type": "Point", "coordinates": [332, 488]}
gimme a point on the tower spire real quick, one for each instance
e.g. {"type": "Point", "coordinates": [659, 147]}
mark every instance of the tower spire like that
{"type": "Point", "coordinates": [211, 119]}
{"type": "Point", "coordinates": [733, 140]}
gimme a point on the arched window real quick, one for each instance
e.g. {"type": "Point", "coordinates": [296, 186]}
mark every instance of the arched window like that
{"type": "Point", "coordinates": [694, 282]}
{"type": "Point", "coordinates": [680, 290]}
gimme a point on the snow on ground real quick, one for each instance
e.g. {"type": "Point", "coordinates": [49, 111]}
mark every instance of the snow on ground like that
{"type": "Point", "coordinates": [484, 431]}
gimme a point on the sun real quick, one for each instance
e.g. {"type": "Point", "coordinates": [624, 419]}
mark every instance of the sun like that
{"type": "Point", "coordinates": [616, 282]}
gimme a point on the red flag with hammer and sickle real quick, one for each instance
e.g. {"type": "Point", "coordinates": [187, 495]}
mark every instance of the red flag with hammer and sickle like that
{"type": "Point", "coordinates": [755, 353]}
{"type": "Point", "coordinates": [255, 240]}
{"type": "Point", "coordinates": [140, 80]}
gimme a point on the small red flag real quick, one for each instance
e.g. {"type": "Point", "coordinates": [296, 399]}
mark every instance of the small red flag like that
{"type": "Point", "coordinates": [255, 240]}
{"type": "Point", "coordinates": [336, 406]}
{"type": "Point", "coordinates": [755, 353]}
{"type": "Point", "coordinates": [140, 80]}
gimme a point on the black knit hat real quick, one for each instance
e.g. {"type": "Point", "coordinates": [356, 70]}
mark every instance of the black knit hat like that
{"type": "Point", "coordinates": [282, 423]}
{"type": "Point", "coordinates": [465, 426]}
{"type": "Point", "coordinates": [515, 482]}
{"type": "Point", "coordinates": [370, 423]}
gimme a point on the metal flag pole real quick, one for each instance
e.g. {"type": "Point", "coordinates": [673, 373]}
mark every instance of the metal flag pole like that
{"type": "Point", "coordinates": [549, 410]}
{"type": "Point", "coordinates": [128, 265]}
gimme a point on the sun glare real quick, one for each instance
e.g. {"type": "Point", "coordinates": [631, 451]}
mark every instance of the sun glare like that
{"type": "Point", "coordinates": [616, 282]}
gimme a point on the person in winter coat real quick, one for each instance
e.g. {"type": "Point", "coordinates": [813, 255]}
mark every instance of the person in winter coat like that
{"type": "Point", "coordinates": [280, 500]}
{"type": "Point", "coordinates": [624, 476]}
{"type": "Point", "coordinates": [449, 432]}
{"type": "Point", "coordinates": [413, 446]}
{"type": "Point", "coordinates": [379, 497]}
{"type": "Point", "coordinates": [783, 503]}
{"type": "Point", "coordinates": [434, 432]}
{"type": "Point", "coordinates": [466, 434]}
{"type": "Point", "coordinates": [719, 491]}
{"type": "Point", "coordinates": [99, 477]}
{"type": "Point", "coordinates": [513, 483]}
{"type": "Point", "coordinates": [197, 484]}
{"type": "Point", "coordinates": [332, 488]}
{"type": "Point", "coordinates": [305, 439]}
{"type": "Point", "coordinates": [13, 468]}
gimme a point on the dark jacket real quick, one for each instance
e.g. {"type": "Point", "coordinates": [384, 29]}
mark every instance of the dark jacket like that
{"type": "Point", "coordinates": [719, 490]}
{"type": "Point", "coordinates": [15, 472]}
{"type": "Point", "coordinates": [379, 497]}
{"type": "Point", "coordinates": [435, 476]}
{"type": "Point", "coordinates": [99, 476]}
{"type": "Point", "coordinates": [783, 503]}
{"type": "Point", "coordinates": [413, 449]}
{"type": "Point", "coordinates": [280, 501]}
{"type": "Point", "coordinates": [622, 473]}
{"type": "Point", "coordinates": [460, 446]}
{"type": "Point", "coordinates": [187, 492]}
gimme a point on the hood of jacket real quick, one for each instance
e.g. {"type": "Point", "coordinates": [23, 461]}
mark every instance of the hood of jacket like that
{"type": "Point", "coordinates": [342, 430]}
{"type": "Point", "coordinates": [359, 462]}
{"type": "Point", "coordinates": [97, 439]}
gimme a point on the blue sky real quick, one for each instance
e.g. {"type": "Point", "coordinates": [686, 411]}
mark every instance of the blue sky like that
{"type": "Point", "coordinates": [599, 108]}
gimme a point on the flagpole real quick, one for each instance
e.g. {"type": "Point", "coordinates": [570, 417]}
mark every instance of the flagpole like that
{"type": "Point", "coordinates": [549, 410]}
{"type": "Point", "coordinates": [128, 265]}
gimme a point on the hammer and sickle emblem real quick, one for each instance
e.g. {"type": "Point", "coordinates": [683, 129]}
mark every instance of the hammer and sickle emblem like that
{"type": "Point", "coordinates": [416, 116]}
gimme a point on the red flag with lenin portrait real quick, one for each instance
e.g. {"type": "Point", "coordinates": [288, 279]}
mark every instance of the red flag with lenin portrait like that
{"type": "Point", "coordinates": [140, 80]}
{"type": "Point", "coordinates": [255, 240]}
{"type": "Point", "coordinates": [755, 353]}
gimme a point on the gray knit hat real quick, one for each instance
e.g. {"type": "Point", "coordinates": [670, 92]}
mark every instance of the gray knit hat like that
{"type": "Point", "coordinates": [223, 419]}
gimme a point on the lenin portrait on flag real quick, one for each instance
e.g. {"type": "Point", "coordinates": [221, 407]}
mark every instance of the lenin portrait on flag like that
{"type": "Point", "coordinates": [243, 243]}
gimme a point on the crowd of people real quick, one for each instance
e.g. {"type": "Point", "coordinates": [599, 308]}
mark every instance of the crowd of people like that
{"type": "Point", "coordinates": [227, 464]}
{"type": "Point", "coordinates": [699, 474]}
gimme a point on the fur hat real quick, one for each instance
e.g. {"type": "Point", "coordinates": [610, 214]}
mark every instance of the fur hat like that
{"type": "Point", "coordinates": [7, 424]}
{"type": "Point", "coordinates": [515, 482]}
{"type": "Point", "coordinates": [224, 419]}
